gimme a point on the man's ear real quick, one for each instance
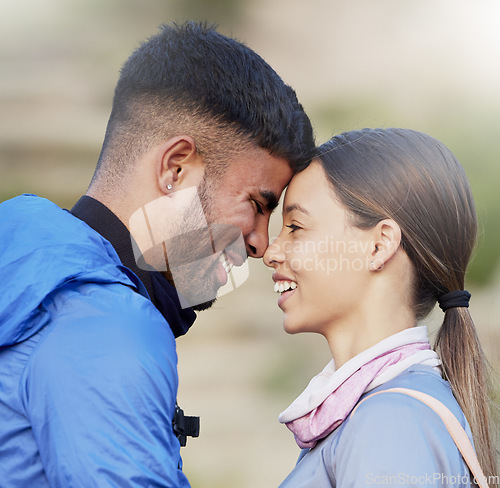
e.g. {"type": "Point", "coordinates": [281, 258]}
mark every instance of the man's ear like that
{"type": "Point", "coordinates": [178, 164]}
{"type": "Point", "coordinates": [387, 239]}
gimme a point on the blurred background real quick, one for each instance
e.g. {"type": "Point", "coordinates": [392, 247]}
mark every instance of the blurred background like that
{"type": "Point", "coordinates": [431, 65]}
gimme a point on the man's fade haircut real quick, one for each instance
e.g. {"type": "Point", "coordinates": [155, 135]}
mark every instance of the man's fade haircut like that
{"type": "Point", "coordinates": [190, 79]}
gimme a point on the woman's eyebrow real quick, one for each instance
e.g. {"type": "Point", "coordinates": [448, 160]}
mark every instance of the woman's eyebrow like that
{"type": "Point", "coordinates": [295, 206]}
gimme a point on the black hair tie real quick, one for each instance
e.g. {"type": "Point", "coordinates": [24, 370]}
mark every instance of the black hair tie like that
{"type": "Point", "coordinates": [453, 299]}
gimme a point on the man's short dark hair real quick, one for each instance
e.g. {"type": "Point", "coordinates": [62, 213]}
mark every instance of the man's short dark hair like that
{"type": "Point", "coordinates": [191, 79]}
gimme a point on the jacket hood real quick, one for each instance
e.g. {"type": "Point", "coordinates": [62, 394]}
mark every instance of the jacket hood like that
{"type": "Point", "coordinates": [42, 249]}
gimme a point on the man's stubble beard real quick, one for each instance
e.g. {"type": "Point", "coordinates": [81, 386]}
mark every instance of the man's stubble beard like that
{"type": "Point", "coordinates": [205, 194]}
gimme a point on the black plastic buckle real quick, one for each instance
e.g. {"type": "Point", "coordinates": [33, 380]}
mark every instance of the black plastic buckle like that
{"type": "Point", "coordinates": [185, 426]}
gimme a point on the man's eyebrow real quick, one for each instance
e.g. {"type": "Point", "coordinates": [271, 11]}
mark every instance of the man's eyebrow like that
{"type": "Point", "coordinates": [295, 206]}
{"type": "Point", "coordinates": [271, 199]}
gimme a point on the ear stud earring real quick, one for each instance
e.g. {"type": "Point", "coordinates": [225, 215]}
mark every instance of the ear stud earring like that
{"type": "Point", "coordinates": [169, 187]}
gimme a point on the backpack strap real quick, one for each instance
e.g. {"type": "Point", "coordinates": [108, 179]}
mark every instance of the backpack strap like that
{"type": "Point", "coordinates": [456, 431]}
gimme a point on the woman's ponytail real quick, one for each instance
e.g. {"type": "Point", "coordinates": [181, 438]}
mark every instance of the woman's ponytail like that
{"type": "Point", "coordinates": [465, 367]}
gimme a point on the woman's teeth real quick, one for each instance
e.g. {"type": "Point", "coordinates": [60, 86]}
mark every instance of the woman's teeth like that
{"type": "Point", "coordinates": [282, 286]}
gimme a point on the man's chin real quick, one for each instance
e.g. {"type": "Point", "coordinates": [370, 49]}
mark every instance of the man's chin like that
{"type": "Point", "coordinates": [203, 306]}
{"type": "Point", "coordinates": [199, 307]}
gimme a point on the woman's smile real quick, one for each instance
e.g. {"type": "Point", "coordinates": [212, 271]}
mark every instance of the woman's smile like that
{"type": "Point", "coordinates": [285, 286]}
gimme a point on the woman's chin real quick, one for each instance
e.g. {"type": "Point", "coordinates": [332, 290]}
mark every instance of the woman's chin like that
{"type": "Point", "coordinates": [291, 326]}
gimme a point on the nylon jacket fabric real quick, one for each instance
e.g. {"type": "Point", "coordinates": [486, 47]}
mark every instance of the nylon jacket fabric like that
{"type": "Point", "coordinates": [88, 366]}
{"type": "Point", "coordinates": [391, 440]}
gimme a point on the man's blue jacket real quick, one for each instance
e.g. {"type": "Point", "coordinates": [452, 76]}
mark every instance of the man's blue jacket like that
{"type": "Point", "coordinates": [88, 366]}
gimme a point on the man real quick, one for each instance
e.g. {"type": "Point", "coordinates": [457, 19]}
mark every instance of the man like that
{"type": "Point", "coordinates": [88, 313]}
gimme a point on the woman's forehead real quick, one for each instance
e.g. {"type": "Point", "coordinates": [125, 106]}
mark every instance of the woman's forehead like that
{"type": "Point", "coordinates": [307, 183]}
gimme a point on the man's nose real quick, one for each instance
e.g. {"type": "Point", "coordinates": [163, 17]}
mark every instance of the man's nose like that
{"type": "Point", "coordinates": [258, 240]}
{"type": "Point", "coordinates": [256, 245]}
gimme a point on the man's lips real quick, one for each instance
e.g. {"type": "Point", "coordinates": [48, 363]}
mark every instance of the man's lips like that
{"type": "Point", "coordinates": [235, 258]}
{"type": "Point", "coordinates": [224, 265]}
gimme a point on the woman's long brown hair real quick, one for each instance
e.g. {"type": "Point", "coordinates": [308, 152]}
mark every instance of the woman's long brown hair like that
{"type": "Point", "coordinates": [415, 180]}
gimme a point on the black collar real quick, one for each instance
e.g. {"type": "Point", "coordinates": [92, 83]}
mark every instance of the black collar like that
{"type": "Point", "coordinates": [162, 293]}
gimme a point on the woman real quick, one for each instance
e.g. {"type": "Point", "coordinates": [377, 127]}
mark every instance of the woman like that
{"type": "Point", "coordinates": [376, 231]}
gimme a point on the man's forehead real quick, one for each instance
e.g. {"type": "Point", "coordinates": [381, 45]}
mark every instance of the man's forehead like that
{"type": "Point", "coordinates": [268, 174]}
{"type": "Point", "coordinates": [258, 159]}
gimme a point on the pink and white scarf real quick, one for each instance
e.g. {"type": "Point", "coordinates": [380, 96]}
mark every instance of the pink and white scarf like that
{"type": "Point", "coordinates": [332, 394]}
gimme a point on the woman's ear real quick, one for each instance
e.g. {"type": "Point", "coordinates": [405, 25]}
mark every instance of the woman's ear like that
{"type": "Point", "coordinates": [178, 164]}
{"type": "Point", "coordinates": [387, 239]}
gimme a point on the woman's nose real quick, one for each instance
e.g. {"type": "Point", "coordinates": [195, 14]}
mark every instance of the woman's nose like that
{"type": "Point", "coordinates": [274, 254]}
